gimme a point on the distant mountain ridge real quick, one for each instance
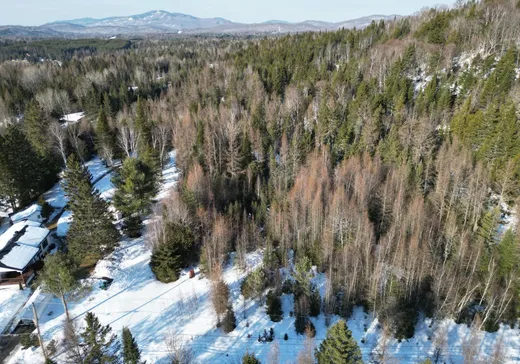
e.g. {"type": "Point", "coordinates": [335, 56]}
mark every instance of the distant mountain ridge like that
{"type": "Point", "coordinates": [163, 22]}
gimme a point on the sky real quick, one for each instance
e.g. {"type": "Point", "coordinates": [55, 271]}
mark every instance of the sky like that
{"type": "Point", "coordinates": [37, 12]}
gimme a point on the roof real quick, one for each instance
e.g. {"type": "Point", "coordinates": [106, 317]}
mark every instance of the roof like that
{"type": "Point", "coordinates": [33, 213]}
{"type": "Point", "coordinates": [17, 258]}
{"type": "Point", "coordinates": [74, 117]}
{"type": "Point", "coordinates": [20, 244]}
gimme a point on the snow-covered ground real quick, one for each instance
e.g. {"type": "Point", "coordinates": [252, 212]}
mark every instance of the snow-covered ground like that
{"type": "Point", "coordinates": [156, 312]}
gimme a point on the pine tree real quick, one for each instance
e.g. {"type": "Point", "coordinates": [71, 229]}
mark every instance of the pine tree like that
{"type": "Point", "coordinates": [250, 359]}
{"type": "Point", "coordinates": [230, 322]}
{"type": "Point", "coordinates": [274, 306]}
{"type": "Point", "coordinates": [97, 341]}
{"type": "Point", "coordinates": [131, 352]}
{"type": "Point", "coordinates": [92, 233]}
{"type": "Point", "coordinates": [339, 346]}
{"type": "Point", "coordinates": [57, 277]}
{"type": "Point", "coordinates": [174, 251]}
{"type": "Point", "coordinates": [135, 186]}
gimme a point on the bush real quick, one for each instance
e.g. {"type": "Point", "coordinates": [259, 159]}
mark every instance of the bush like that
{"type": "Point", "coordinates": [274, 306]}
{"type": "Point", "coordinates": [299, 324]}
{"type": "Point", "coordinates": [288, 287]}
{"type": "Point", "coordinates": [47, 209]}
{"type": "Point", "coordinates": [310, 330]}
{"type": "Point", "coordinates": [51, 348]}
{"type": "Point", "coordinates": [230, 322]}
{"type": "Point", "coordinates": [173, 252]}
{"type": "Point", "coordinates": [250, 359]}
{"type": "Point", "coordinates": [29, 341]}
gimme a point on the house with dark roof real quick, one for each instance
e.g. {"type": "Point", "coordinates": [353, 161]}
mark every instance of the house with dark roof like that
{"type": "Point", "coordinates": [25, 243]}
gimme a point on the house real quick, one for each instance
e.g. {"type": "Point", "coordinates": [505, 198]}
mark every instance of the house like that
{"type": "Point", "coordinates": [25, 243]}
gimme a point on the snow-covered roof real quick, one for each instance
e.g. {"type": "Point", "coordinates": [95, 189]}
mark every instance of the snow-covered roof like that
{"type": "Point", "coordinates": [17, 258]}
{"type": "Point", "coordinates": [32, 213]}
{"type": "Point", "coordinates": [74, 117]}
{"type": "Point", "coordinates": [20, 244]}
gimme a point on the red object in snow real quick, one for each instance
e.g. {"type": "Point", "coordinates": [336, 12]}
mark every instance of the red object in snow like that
{"type": "Point", "coordinates": [192, 273]}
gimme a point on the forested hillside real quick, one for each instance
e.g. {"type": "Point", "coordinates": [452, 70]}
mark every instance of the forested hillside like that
{"type": "Point", "coordinates": [388, 157]}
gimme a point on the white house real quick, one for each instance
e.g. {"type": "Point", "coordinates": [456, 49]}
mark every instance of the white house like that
{"type": "Point", "coordinates": [23, 244]}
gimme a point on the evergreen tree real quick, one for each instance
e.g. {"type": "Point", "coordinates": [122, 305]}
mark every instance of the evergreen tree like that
{"type": "Point", "coordinates": [250, 359]}
{"type": "Point", "coordinates": [24, 174]}
{"type": "Point", "coordinates": [135, 186]}
{"type": "Point", "coordinates": [508, 253]}
{"type": "Point", "coordinates": [105, 138]}
{"type": "Point", "coordinates": [92, 233]}
{"type": "Point", "coordinates": [174, 251]}
{"type": "Point", "coordinates": [339, 346]}
{"type": "Point", "coordinates": [131, 352]}
{"type": "Point", "coordinates": [230, 322]}
{"type": "Point", "coordinates": [143, 126]}
{"type": "Point", "coordinates": [97, 341]}
{"type": "Point", "coordinates": [57, 277]}
{"type": "Point", "coordinates": [36, 126]}
{"type": "Point", "coordinates": [314, 303]}
{"type": "Point", "coordinates": [274, 306]}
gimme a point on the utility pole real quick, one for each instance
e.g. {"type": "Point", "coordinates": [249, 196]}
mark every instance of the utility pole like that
{"type": "Point", "coordinates": [37, 324]}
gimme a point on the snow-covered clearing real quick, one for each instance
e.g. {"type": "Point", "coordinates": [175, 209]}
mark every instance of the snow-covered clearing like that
{"type": "Point", "coordinates": [156, 312]}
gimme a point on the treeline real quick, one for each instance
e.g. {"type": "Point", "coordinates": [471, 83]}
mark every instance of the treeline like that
{"type": "Point", "coordinates": [58, 49]}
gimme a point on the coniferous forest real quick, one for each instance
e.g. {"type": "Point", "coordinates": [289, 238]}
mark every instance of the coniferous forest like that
{"type": "Point", "coordinates": [387, 158]}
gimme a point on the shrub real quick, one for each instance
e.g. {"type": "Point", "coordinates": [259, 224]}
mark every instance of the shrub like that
{"type": "Point", "coordinates": [230, 322]}
{"type": "Point", "coordinates": [250, 359]}
{"type": "Point", "coordinates": [315, 303]}
{"type": "Point", "coordinates": [274, 306]}
{"type": "Point", "coordinates": [29, 341]}
{"type": "Point", "coordinates": [254, 284]}
{"type": "Point", "coordinates": [288, 287]}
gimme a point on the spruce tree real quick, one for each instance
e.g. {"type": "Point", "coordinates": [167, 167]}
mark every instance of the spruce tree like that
{"type": "Point", "coordinates": [131, 352]}
{"type": "Point", "coordinates": [174, 251]}
{"type": "Point", "coordinates": [136, 184]}
{"type": "Point", "coordinates": [339, 346]}
{"type": "Point", "coordinates": [97, 341]}
{"type": "Point", "coordinates": [92, 233]}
